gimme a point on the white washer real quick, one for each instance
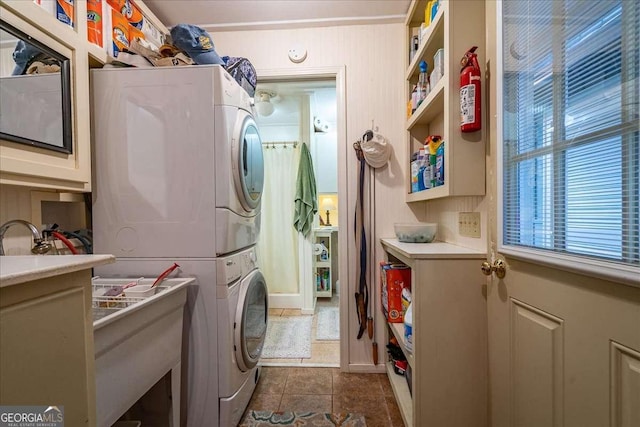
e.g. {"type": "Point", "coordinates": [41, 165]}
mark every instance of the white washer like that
{"type": "Point", "coordinates": [242, 327]}
{"type": "Point", "coordinates": [178, 178]}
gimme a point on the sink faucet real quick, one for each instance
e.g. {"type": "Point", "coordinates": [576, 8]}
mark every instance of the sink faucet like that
{"type": "Point", "coordinates": [39, 245]}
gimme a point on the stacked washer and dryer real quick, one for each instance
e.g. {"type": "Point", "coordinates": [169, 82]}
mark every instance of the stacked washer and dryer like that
{"type": "Point", "coordinates": [178, 177]}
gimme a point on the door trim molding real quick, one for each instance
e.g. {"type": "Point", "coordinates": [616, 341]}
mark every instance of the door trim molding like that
{"type": "Point", "coordinates": [337, 73]}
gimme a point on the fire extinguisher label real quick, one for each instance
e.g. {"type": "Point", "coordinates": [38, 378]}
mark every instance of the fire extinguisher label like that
{"type": "Point", "coordinates": [467, 104]}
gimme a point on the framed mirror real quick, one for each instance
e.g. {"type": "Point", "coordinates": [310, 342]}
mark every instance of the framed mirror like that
{"type": "Point", "coordinates": [35, 92]}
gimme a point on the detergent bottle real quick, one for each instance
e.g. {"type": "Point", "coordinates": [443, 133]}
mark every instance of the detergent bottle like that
{"type": "Point", "coordinates": [436, 151]}
{"type": "Point", "coordinates": [408, 328]}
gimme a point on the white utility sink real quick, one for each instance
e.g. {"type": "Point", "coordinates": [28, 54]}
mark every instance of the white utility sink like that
{"type": "Point", "coordinates": [137, 341]}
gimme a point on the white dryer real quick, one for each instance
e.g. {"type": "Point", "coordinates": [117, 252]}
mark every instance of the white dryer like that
{"type": "Point", "coordinates": [239, 180]}
{"type": "Point", "coordinates": [178, 162]}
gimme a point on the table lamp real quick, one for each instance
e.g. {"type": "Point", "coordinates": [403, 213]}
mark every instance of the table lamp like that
{"type": "Point", "coordinates": [327, 205]}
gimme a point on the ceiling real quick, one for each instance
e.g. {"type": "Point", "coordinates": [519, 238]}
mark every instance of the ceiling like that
{"type": "Point", "coordinates": [260, 14]}
{"type": "Point", "coordinates": [321, 94]}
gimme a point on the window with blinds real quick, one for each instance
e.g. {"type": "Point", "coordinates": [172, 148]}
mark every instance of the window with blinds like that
{"type": "Point", "coordinates": [570, 155]}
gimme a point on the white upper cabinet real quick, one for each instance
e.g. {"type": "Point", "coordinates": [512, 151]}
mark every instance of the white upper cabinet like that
{"type": "Point", "coordinates": [456, 27]}
{"type": "Point", "coordinates": [29, 155]}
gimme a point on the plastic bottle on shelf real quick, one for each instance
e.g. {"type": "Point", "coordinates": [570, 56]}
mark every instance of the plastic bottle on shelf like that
{"type": "Point", "coordinates": [406, 299]}
{"type": "Point", "coordinates": [415, 166]}
{"type": "Point", "coordinates": [434, 9]}
{"type": "Point", "coordinates": [408, 328]}
{"type": "Point", "coordinates": [414, 99]}
{"type": "Point", "coordinates": [423, 82]}
{"type": "Point", "coordinates": [439, 172]}
{"type": "Point", "coordinates": [423, 157]}
{"type": "Point", "coordinates": [427, 13]}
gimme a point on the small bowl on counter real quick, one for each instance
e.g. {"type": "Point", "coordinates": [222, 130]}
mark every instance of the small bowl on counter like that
{"type": "Point", "coordinates": [417, 232]}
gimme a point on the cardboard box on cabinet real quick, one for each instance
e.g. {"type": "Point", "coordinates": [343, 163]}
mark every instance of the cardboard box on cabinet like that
{"type": "Point", "coordinates": [393, 279]}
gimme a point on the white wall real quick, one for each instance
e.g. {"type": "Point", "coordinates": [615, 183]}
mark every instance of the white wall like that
{"type": "Point", "coordinates": [15, 203]}
{"type": "Point", "coordinates": [279, 133]}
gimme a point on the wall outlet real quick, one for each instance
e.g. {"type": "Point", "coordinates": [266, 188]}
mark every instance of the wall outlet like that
{"type": "Point", "coordinates": [469, 224]}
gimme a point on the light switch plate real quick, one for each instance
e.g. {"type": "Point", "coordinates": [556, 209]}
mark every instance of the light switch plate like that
{"type": "Point", "coordinates": [469, 224]}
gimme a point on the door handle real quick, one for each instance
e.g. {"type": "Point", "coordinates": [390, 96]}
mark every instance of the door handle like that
{"type": "Point", "coordinates": [499, 266]}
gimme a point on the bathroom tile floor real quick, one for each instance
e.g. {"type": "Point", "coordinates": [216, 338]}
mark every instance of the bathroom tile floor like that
{"type": "Point", "coordinates": [323, 353]}
{"type": "Point", "coordinates": [295, 389]}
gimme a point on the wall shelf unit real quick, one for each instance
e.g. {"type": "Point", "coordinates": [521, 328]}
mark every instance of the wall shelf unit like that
{"type": "Point", "coordinates": [456, 27]}
{"type": "Point", "coordinates": [325, 264]}
{"type": "Point", "coordinates": [26, 165]}
{"type": "Point", "coordinates": [449, 358]}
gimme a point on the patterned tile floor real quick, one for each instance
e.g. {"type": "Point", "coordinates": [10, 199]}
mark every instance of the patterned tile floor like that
{"type": "Point", "coordinates": [327, 390]}
{"type": "Point", "coordinates": [323, 353]}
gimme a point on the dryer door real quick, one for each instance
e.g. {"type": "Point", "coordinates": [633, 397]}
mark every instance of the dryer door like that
{"type": "Point", "coordinates": [248, 165]}
{"type": "Point", "coordinates": [251, 320]}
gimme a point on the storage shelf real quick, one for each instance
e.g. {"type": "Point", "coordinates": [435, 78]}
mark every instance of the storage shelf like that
{"type": "Point", "coordinates": [402, 394]}
{"type": "Point", "coordinates": [432, 105]}
{"type": "Point", "coordinates": [398, 332]}
{"type": "Point", "coordinates": [450, 345]}
{"type": "Point", "coordinates": [454, 29]}
{"type": "Point", "coordinates": [413, 19]}
{"type": "Point", "coordinates": [327, 237]}
{"type": "Point", "coordinates": [39, 168]}
{"type": "Point", "coordinates": [432, 41]}
{"type": "Point", "coordinates": [428, 194]}
{"type": "Point", "coordinates": [97, 53]}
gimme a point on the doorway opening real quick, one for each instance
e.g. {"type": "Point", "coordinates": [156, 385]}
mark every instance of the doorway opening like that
{"type": "Point", "coordinates": [302, 272]}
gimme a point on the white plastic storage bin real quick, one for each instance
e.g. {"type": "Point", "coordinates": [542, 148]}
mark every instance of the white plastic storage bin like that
{"type": "Point", "coordinates": [137, 341]}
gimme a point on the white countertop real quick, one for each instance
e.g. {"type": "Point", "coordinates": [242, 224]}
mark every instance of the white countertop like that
{"type": "Point", "coordinates": [326, 228]}
{"type": "Point", "coordinates": [20, 269]}
{"type": "Point", "coordinates": [433, 250]}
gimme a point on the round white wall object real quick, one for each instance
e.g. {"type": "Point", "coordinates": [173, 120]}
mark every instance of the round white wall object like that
{"type": "Point", "coordinates": [297, 54]}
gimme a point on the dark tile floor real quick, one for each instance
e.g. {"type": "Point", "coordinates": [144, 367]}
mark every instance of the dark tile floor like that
{"type": "Point", "coordinates": [327, 390]}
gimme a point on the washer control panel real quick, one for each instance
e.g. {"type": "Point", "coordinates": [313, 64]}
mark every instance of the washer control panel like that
{"type": "Point", "coordinates": [232, 267]}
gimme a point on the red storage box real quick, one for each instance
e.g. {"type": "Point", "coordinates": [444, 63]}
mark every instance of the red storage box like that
{"type": "Point", "coordinates": [393, 279]}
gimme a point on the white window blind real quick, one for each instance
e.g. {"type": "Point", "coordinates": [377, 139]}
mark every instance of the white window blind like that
{"type": "Point", "coordinates": [570, 155]}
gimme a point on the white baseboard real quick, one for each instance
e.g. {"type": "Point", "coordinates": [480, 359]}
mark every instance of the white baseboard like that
{"type": "Point", "coordinates": [285, 301]}
{"type": "Point", "coordinates": [367, 368]}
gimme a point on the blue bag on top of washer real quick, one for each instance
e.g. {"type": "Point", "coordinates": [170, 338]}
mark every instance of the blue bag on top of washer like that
{"type": "Point", "coordinates": [243, 71]}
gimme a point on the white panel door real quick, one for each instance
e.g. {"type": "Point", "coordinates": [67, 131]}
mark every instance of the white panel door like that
{"type": "Point", "coordinates": [563, 346]}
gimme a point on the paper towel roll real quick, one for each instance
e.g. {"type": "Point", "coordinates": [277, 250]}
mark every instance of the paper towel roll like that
{"type": "Point", "coordinates": [320, 125]}
{"type": "Point", "coordinates": [319, 248]}
{"type": "Point", "coordinates": [48, 5]}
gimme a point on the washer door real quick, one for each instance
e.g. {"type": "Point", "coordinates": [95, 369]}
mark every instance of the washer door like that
{"type": "Point", "coordinates": [247, 161]}
{"type": "Point", "coordinates": [251, 320]}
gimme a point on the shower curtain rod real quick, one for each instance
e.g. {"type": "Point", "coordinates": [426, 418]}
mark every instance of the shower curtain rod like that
{"type": "Point", "coordinates": [274, 143]}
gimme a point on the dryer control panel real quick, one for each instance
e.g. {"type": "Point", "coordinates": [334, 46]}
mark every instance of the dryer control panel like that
{"type": "Point", "coordinates": [232, 267]}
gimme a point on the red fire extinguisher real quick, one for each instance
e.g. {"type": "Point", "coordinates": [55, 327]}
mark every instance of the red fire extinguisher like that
{"type": "Point", "coordinates": [470, 99]}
